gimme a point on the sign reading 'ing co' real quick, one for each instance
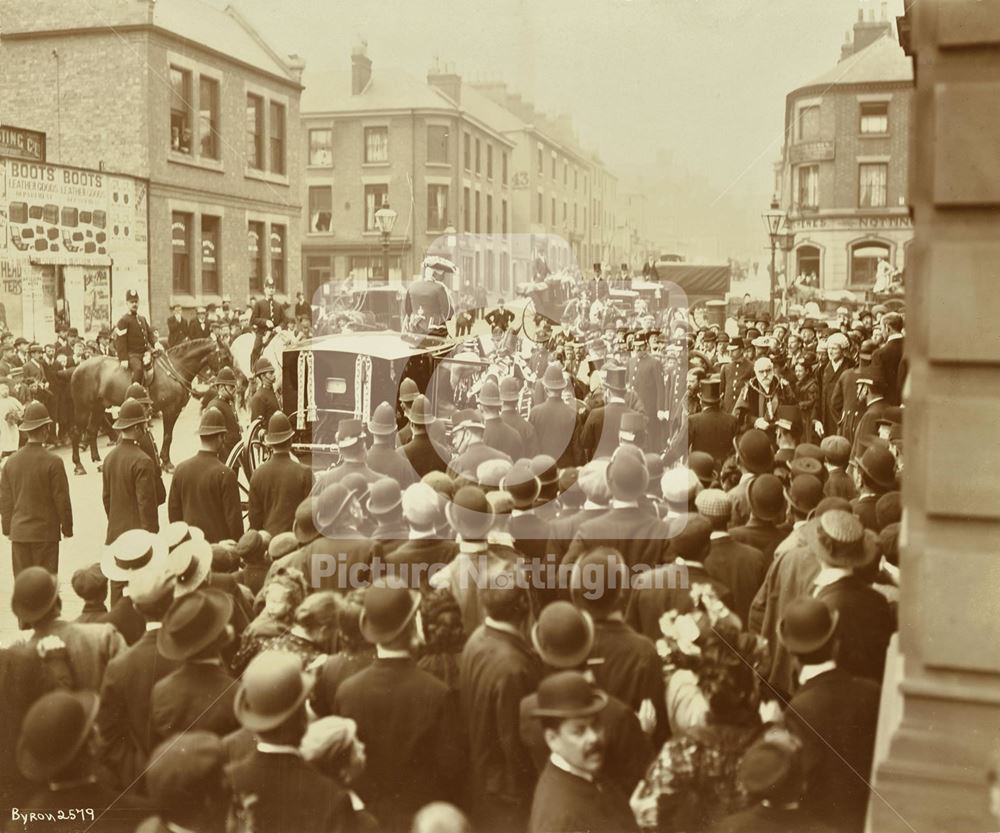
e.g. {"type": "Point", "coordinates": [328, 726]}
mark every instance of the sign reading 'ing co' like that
{"type": "Point", "coordinates": [21, 143]}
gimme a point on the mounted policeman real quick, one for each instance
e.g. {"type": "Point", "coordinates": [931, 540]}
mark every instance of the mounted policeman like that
{"type": "Point", "coordinates": [134, 340]}
{"type": "Point", "coordinates": [266, 317]}
{"type": "Point", "coordinates": [428, 303]}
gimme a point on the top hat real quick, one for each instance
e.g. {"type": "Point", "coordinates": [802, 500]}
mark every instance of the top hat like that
{"type": "Point", "coordinates": [568, 694]}
{"type": "Point", "coordinates": [767, 498]}
{"type": "Point", "coordinates": [388, 608]}
{"type": "Point", "coordinates": [131, 295]}
{"type": "Point", "coordinates": [279, 429]}
{"type": "Point", "coordinates": [879, 464]}
{"type": "Point", "coordinates": [35, 592]}
{"type": "Point", "coordinates": [194, 622]}
{"type": "Point", "coordinates": [133, 550]}
{"type": "Point", "coordinates": [262, 365]}
{"type": "Point", "coordinates": [384, 496]}
{"type": "Point", "coordinates": [273, 688]}
{"type": "Point", "coordinates": [408, 390]}
{"type": "Point", "coordinates": [35, 416]}
{"type": "Point", "coordinates": [789, 418]}
{"type": "Point", "coordinates": [754, 451]}
{"type": "Point", "coordinates": [131, 413]}
{"type": "Point", "coordinates": [563, 636]}
{"type": "Point", "coordinates": [190, 563]}
{"type": "Point", "coordinates": [55, 729]}
{"type": "Point", "coordinates": [179, 768]}
{"type": "Point", "coordinates": [383, 421]}
{"type": "Point", "coordinates": [138, 393]}
{"type": "Point", "coordinates": [470, 514]}
{"type": "Point", "coordinates": [510, 389]}
{"type": "Point", "coordinates": [421, 412]}
{"type": "Point", "coordinates": [90, 583]}
{"type": "Point", "coordinates": [212, 422]}
{"type": "Point", "coordinates": [632, 424]}
{"type": "Point", "coordinates": [598, 581]}
{"type": "Point", "coordinates": [225, 376]}
{"type": "Point", "coordinates": [808, 624]}
{"type": "Point", "coordinates": [711, 390]}
{"type": "Point", "coordinates": [554, 378]}
{"type": "Point", "coordinates": [615, 377]}
{"type": "Point", "coordinates": [489, 394]}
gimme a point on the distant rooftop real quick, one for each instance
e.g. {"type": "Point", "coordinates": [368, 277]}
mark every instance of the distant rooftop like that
{"type": "Point", "coordinates": [881, 62]}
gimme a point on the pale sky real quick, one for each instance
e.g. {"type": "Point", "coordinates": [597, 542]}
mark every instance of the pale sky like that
{"type": "Point", "coordinates": [701, 83]}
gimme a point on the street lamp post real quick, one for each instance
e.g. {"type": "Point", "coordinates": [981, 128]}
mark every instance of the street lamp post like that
{"type": "Point", "coordinates": [385, 219]}
{"type": "Point", "coordinates": [773, 218]}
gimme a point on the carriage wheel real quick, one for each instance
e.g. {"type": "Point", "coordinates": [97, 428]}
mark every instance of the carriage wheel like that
{"type": "Point", "coordinates": [244, 459]}
{"type": "Point", "coordinates": [530, 324]}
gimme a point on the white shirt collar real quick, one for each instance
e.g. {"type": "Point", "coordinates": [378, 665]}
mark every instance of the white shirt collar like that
{"type": "Point", "coordinates": [506, 627]}
{"type": "Point", "coordinates": [277, 748]}
{"type": "Point", "coordinates": [153, 626]}
{"type": "Point", "coordinates": [515, 512]}
{"type": "Point", "coordinates": [589, 504]}
{"type": "Point", "coordinates": [472, 547]}
{"type": "Point", "coordinates": [560, 762]}
{"type": "Point", "coordinates": [829, 575]}
{"type": "Point", "coordinates": [391, 653]}
{"type": "Point", "coordinates": [747, 475]}
{"type": "Point", "coordinates": [809, 671]}
{"type": "Point", "coordinates": [417, 534]}
{"type": "Point", "coordinates": [500, 537]}
{"type": "Point", "coordinates": [893, 337]}
{"type": "Point", "coordinates": [624, 504]}
{"type": "Point", "coordinates": [715, 536]}
{"type": "Point", "coordinates": [175, 828]}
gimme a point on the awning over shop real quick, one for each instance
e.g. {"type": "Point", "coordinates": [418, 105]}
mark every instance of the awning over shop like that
{"type": "Point", "coordinates": [69, 259]}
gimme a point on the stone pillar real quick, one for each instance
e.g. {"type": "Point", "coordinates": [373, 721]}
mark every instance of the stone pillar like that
{"type": "Point", "coordinates": [941, 710]}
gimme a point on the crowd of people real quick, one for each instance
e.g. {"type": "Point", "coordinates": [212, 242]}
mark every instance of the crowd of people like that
{"type": "Point", "coordinates": [661, 600]}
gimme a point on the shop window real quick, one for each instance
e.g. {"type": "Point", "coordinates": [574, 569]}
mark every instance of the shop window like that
{"type": "Point", "coordinates": [278, 256]}
{"type": "Point", "coordinates": [467, 151]}
{"type": "Point", "coordinates": [180, 110]}
{"type": "Point", "coordinates": [375, 195]}
{"type": "Point", "coordinates": [377, 145]}
{"type": "Point", "coordinates": [180, 236]}
{"type": "Point", "coordinates": [809, 124]}
{"type": "Point", "coordinates": [276, 128]}
{"type": "Point", "coordinates": [321, 147]}
{"type": "Point", "coordinates": [208, 116]}
{"type": "Point", "coordinates": [808, 186]}
{"type": "Point", "coordinates": [865, 257]}
{"type": "Point", "coordinates": [872, 181]}
{"type": "Point", "coordinates": [437, 207]}
{"type": "Point", "coordinates": [320, 208]}
{"type": "Point", "coordinates": [875, 117]}
{"type": "Point", "coordinates": [437, 144]}
{"type": "Point", "coordinates": [255, 132]}
{"type": "Point", "coordinates": [370, 266]}
{"type": "Point", "coordinates": [490, 276]}
{"type": "Point", "coordinates": [256, 252]}
{"type": "Point", "coordinates": [210, 252]}
{"type": "Point", "coordinates": [807, 259]}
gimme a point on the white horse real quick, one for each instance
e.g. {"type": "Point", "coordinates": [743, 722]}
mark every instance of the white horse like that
{"type": "Point", "coordinates": [242, 347]}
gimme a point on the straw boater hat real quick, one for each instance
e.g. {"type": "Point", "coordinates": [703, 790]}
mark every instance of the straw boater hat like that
{"type": "Point", "coordinates": [135, 549]}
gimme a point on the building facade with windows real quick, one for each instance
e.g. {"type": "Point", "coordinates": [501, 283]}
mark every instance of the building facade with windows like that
{"type": "Point", "coordinates": [143, 89]}
{"type": "Point", "coordinates": [842, 179]}
{"type": "Point", "coordinates": [429, 148]}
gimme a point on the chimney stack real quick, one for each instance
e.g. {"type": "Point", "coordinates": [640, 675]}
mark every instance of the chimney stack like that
{"type": "Point", "coordinates": [445, 79]}
{"type": "Point", "coordinates": [361, 68]}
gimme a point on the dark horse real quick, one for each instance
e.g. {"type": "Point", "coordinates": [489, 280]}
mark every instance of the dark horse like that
{"type": "Point", "coordinates": [99, 382]}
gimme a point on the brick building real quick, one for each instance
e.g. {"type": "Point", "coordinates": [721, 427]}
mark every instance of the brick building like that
{"type": "Point", "coordinates": [843, 174]}
{"type": "Point", "coordinates": [141, 88]}
{"type": "Point", "coordinates": [433, 149]}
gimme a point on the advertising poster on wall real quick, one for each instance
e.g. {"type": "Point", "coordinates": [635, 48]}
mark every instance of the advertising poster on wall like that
{"type": "Point", "coordinates": [71, 239]}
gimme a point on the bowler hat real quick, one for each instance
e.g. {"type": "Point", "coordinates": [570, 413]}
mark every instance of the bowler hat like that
{"type": "Point", "coordinates": [194, 622]}
{"type": "Point", "coordinates": [867, 349]}
{"type": "Point", "coordinates": [383, 421]}
{"type": "Point", "coordinates": [568, 694]}
{"type": "Point", "coordinates": [304, 524]}
{"type": "Point", "coordinates": [804, 493]}
{"type": "Point", "coordinates": [262, 365]}
{"type": "Point", "coordinates": [131, 413]}
{"type": "Point", "coordinates": [545, 469]}
{"type": "Point", "coordinates": [180, 768]}
{"type": "Point", "coordinates": [563, 636]}
{"type": "Point", "coordinates": [279, 429]}
{"type": "Point", "coordinates": [384, 495]}
{"type": "Point", "coordinates": [35, 416]}
{"type": "Point", "coordinates": [754, 451]}
{"type": "Point", "coordinates": [388, 608]}
{"type": "Point", "coordinates": [470, 513]}
{"type": "Point", "coordinates": [888, 509]}
{"type": "Point", "coordinates": [273, 688]}
{"type": "Point", "coordinates": [35, 592]}
{"type": "Point", "coordinates": [880, 466]}
{"type": "Point", "coordinates": [138, 393]}
{"type": "Point", "coordinates": [90, 583]}
{"type": "Point", "coordinates": [808, 624]}
{"type": "Point", "coordinates": [598, 581]}
{"type": "Point", "coordinates": [810, 450]}
{"type": "Point", "coordinates": [554, 378]}
{"type": "Point", "coordinates": [190, 563]}
{"type": "Point", "coordinates": [421, 412]}
{"type": "Point", "coordinates": [489, 394]}
{"type": "Point", "coordinates": [330, 505]}
{"type": "Point", "coordinates": [711, 390]}
{"type": "Point", "coordinates": [212, 423]}
{"type": "Point", "coordinates": [133, 550]}
{"type": "Point", "coordinates": [349, 432]}
{"type": "Point", "coordinates": [806, 465]}
{"type": "Point", "coordinates": [522, 484]}
{"type": "Point", "coordinates": [771, 770]}
{"type": "Point", "coordinates": [703, 465]}
{"type": "Point", "coordinates": [55, 729]}
{"type": "Point", "coordinates": [408, 390]}
{"type": "Point", "coordinates": [767, 498]}
{"type": "Point", "coordinates": [627, 475]}
{"type": "Point", "coordinates": [225, 376]}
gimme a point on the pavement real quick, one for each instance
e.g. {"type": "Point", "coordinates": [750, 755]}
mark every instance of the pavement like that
{"type": "Point", "coordinates": [89, 520]}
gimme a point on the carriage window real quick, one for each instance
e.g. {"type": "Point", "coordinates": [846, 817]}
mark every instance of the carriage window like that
{"type": "Point", "coordinates": [335, 384]}
{"type": "Point", "coordinates": [180, 234]}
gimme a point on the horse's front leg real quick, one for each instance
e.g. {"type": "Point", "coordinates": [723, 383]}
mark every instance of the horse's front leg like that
{"type": "Point", "coordinates": [169, 420]}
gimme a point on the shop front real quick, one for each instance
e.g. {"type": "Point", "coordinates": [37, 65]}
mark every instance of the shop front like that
{"type": "Point", "coordinates": [72, 242]}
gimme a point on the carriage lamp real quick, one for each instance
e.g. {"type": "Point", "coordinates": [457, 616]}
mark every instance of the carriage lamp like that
{"type": "Point", "coordinates": [773, 218]}
{"type": "Point", "coordinates": [385, 219]}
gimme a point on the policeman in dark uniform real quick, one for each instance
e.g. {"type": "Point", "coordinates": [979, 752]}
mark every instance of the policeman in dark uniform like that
{"type": "Point", "coordinates": [133, 338]}
{"type": "Point", "coordinates": [146, 441]}
{"type": "Point", "coordinates": [264, 402]}
{"type": "Point", "coordinates": [225, 387]}
{"type": "Point", "coordinates": [265, 317]}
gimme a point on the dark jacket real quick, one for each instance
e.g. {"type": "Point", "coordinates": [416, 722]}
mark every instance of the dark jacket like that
{"type": "Point", "coordinates": [232, 426]}
{"type": "Point", "coordinates": [89, 649]}
{"type": "Point", "coordinates": [280, 792]}
{"type": "Point", "coordinates": [263, 404]}
{"type": "Point", "coordinates": [23, 679]}
{"type": "Point", "coordinates": [640, 537]}
{"type": "Point", "coordinates": [556, 431]}
{"type": "Point", "coordinates": [762, 818]}
{"type": "Point", "coordinates": [712, 431]}
{"type": "Point", "coordinates": [887, 360]}
{"type": "Point", "coordinates": [836, 716]}
{"type": "Point", "coordinates": [740, 567]}
{"type": "Point", "coordinates": [264, 311]}
{"type": "Point", "coordinates": [386, 460]}
{"type": "Point", "coordinates": [277, 487]}
{"type": "Point", "coordinates": [839, 484]}
{"type": "Point", "coordinates": [761, 535]}
{"type": "Point", "coordinates": [130, 490]}
{"type": "Point", "coordinates": [34, 496]}
{"type": "Point", "coordinates": [423, 455]}
{"type": "Point", "coordinates": [125, 716]}
{"type": "Point", "coordinates": [177, 331]}
{"type": "Point", "coordinates": [198, 696]}
{"type": "Point", "coordinates": [430, 296]}
{"type": "Point", "coordinates": [496, 671]}
{"type": "Point", "coordinates": [406, 719]}
{"type": "Point", "coordinates": [204, 493]}
{"type": "Point", "coordinates": [829, 415]}
{"type": "Point", "coordinates": [668, 587]}
{"type": "Point", "coordinates": [505, 439]}
{"type": "Point", "coordinates": [565, 803]}
{"type": "Point", "coordinates": [563, 530]}
{"type": "Point", "coordinates": [865, 626]}
{"type": "Point", "coordinates": [524, 429]}
{"type": "Point", "coordinates": [133, 335]}
{"type": "Point", "coordinates": [599, 436]}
